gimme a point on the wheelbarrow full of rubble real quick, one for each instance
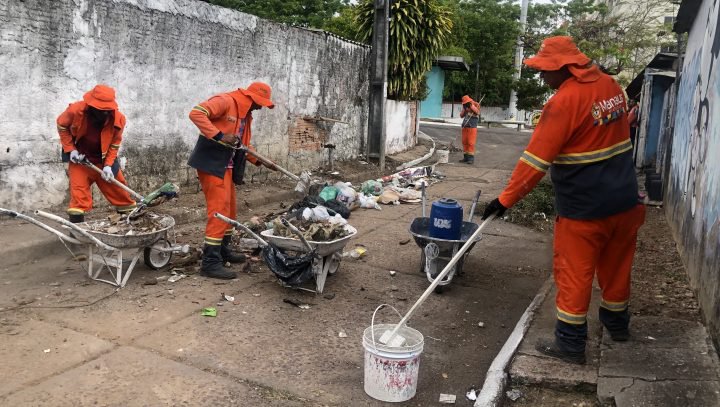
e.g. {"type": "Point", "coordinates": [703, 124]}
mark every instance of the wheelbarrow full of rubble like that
{"type": "Point", "coordinates": [312, 259]}
{"type": "Point", "coordinates": [436, 253]}
{"type": "Point", "coordinates": [106, 251]}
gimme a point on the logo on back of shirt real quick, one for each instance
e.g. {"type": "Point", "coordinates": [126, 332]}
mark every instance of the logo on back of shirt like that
{"type": "Point", "coordinates": [596, 111]}
{"type": "Point", "coordinates": [608, 110]}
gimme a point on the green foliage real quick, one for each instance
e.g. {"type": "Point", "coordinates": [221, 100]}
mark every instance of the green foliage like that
{"type": "Point", "coordinates": [419, 29]}
{"type": "Point", "coordinates": [537, 209]}
{"type": "Point", "coordinates": [302, 13]}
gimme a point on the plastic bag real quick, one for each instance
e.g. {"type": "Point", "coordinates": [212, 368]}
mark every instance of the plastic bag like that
{"type": "Point", "coordinates": [372, 187]}
{"type": "Point", "coordinates": [318, 213]}
{"type": "Point", "coordinates": [329, 193]}
{"type": "Point", "coordinates": [346, 194]}
{"type": "Point", "coordinates": [368, 202]}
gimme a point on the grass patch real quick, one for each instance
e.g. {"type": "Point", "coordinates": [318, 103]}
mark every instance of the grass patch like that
{"type": "Point", "coordinates": [536, 210]}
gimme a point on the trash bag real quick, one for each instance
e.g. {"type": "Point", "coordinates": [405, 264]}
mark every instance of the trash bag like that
{"type": "Point", "coordinates": [328, 193]}
{"type": "Point", "coordinates": [371, 187]}
{"type": "Point", "coordinates": [291, 270]}
{"type": "Point", "coordinates": [338, 207]}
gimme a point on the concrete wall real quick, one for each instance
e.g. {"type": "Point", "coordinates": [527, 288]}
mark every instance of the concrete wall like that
{"type": "Point", "coordinates": [163, 57]}
{"type": "Point", "coordinates": [692, 197]}
{"type": "Point", "coordinates": [401, 121]}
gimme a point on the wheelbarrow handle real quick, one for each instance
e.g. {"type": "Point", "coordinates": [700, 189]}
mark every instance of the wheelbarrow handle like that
{"type": "Point", "coordinates": [114, 181]}
{"type": "Point", "coordinates": [76, 228]}
{"type": "Point", "coordinates": [41, 225]}
{"type": "Point", "coordinates": [296, 232]}
{"type": "Point", "coordinates": [241, 226]}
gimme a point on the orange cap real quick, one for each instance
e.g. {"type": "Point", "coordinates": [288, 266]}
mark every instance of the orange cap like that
{"type": "Point", "coordinates": [466, 99]}
{"type": "Point", "coordinates": [101, 97]}
{"type": "Point", "coordinates": [260, 92]}
{"type": "Point", "coordinates": [556, 52]}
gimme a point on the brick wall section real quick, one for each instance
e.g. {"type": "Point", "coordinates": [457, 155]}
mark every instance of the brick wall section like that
{"type": "Point", "coordinates": [306, 135]}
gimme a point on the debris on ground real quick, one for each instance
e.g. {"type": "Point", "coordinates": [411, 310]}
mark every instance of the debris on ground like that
{"type": "Point", "coordinates": [404, 242]}
{"type": "Point", "coordinates": [296, 303]}
{"type": "Point", "coordinates": [329, 296]}
{"type": "Point", "coordinates": [228, 298]}
{"type": "Point", "coordinates": [209, 312]}
{"type": "Point", "coordinates": [471, 394]}
{"type": "Point", "coordinates": [447, 398]}
{"type": "Point", "coordinates": [513, 394]}
{"type": "Point", "coordinates": [176, 277]}
{"type": "Point", "coordinates": [356, 253]}
{"type": "Point", "coordinates": [342, 334]}
{"type": "Point", "coordinates": [392, 273]}
{"type": "Point", "coordinates": [445, 375]}
{"type": "Point", "coordinates": [481, 324]}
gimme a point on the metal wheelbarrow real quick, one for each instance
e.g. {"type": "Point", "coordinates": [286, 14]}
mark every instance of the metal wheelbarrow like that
{"type": "Point", "coordinates": [105, 250]}
{"type": "Point", "coordinates": [315, 260]}
{"type": "Point", "coordinates": [436, 253]}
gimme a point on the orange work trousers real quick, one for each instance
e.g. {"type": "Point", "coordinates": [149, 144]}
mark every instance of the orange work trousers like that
{"type": "Point", "coordinates": [584, 247]}
{"type": "Point", "coordinates": [219, 198]}
{"type": "Point", "coordinates": [81, 180]}
{"type": "Point", "coordinates": [469, 137]}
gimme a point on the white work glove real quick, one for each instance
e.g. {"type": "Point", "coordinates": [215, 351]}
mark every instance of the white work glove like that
{"type": "Point", "coordinates": [107, 174]}
{"type": "Point", "coordinates": [76, 157]}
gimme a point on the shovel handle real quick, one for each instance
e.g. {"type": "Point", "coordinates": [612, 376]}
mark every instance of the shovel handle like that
{"type": "Point", "coordinates": [114, 181]}
{"type": "Point", "coordinates": [269, 163]}
{"type": "Point", "coordinates": [443, 273]}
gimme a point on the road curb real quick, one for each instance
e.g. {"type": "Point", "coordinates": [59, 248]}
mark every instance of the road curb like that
{"type": "Point", "coordinates": [491, 394]}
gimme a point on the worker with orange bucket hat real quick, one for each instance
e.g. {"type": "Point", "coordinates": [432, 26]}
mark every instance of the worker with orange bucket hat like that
{"type": "Point", "coordinates": [224, 122]}
{"type": "Point", "coordinates": [91, 131]}
{"type": "Point", "coordinates": [583, 139]}
{"type": "Point", "coordinates": [471, 116]}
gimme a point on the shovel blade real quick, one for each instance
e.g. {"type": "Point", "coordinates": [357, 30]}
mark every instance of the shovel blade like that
{"type": "Point", "coordinates": [394, 341]}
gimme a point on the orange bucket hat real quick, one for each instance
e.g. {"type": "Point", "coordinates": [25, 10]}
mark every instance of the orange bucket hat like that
{"type": "Point", "coordinates": [261, 93]}
{"type": "Point", "coordinates": [556, 52]}
{"type": "Point", "coordinates": [466, 99]}
{"type": "Point", "coordinates": [101, 97]}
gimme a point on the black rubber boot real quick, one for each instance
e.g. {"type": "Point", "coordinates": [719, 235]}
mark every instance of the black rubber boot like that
{"type": "Point", "coordinates": [550, 348]}
{"type": "Point", "coordinates": [227, 254]}
{"type": "Point", "coordinates": [465, 157]}
{"type": "Point", "coordinates": [470, 159]}
{"type": "Point", "coordinates": [76, 217]}
{"type": "Point", "coordinates": [616, 322]}
{"type": "Point", "coordinates": [212, 264]}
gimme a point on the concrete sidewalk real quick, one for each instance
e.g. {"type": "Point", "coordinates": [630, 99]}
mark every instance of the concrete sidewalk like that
{"type": "Point", "coordinates": [667, 362]}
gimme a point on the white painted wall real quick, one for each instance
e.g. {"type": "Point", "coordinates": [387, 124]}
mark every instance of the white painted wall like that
{"type": "Point", "coordinates": [163, 57]}
{"type": "Point", "coordinates": [400, 125]}
{"type": "Point", "coordinates": [486, 112]}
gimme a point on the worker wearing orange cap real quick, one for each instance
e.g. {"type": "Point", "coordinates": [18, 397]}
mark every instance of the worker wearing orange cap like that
{"type": "Point", "coordinates": [470, 115]}
{"type": "Point", "coordinates": [583, 138]}
{"type": "Point", "coordinates": [91, 130]}
{"type": "Point", "coordinates": [224, 121]}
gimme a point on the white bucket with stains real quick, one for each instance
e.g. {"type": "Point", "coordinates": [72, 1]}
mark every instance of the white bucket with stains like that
{"type": "Point", "coordinates": [391, 373]}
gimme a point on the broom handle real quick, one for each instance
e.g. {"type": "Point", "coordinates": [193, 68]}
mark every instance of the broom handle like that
{"type": "Point", "coordinates": [269, 163]}
{"type": "Point", "coordinates": [440, 276]}
{"type": "Point", "coordinates": [114, 181]}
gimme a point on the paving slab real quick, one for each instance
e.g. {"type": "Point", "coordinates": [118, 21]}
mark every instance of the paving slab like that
{"type": "Point", "coordinates": [662, 332]}
{"type": "Point", "coordinates": [629, 392]}
{"type": "Point", "coordinates": [32, 350]}
{"type": "Point", "coordinates": [133, 377]}
{"type": "Point", "coordinates": [658, 364]}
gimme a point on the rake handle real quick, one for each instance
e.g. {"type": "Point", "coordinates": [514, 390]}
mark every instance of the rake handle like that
{"type": "Point", "coordinates": [270, 164]}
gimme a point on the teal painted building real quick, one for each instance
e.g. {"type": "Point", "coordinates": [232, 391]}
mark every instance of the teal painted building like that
{"type": "Point", "coordinates": [431, 107]}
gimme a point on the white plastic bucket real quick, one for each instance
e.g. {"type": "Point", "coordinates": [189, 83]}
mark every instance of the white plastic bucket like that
{"type": "Point", "coordinates": [391, 373]}
{"type": "Point", "coordinates": [443, 156]}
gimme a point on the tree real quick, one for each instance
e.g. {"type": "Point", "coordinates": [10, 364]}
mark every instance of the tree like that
{"type": "Point", "coordinates": [301, 13]}
{"type": "Point", "coordinates": [419, 29]}
{"type": "Point", "coordinates": [484, 33]}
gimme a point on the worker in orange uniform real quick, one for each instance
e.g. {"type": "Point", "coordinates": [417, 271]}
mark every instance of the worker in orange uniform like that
{"type": "Point", "coordinates": [224, 121]}
{"type": "Point", "coordinates": [471, 116]}
{"type": "Point", "coordinates": [91, 130]}
{"type": "Point", "coordinates": [583, 138]}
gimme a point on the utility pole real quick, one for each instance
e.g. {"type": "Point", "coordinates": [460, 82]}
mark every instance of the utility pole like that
{"type": "Point", "coordinates": [378, 82]}
{"type": "Point", "coordinates": [512, 108]}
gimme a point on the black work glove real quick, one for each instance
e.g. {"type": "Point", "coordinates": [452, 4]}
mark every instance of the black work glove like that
{"type": "Point", "coordinates": [494, 207]}
{"type": "Point", "coordinates": [219, 136]}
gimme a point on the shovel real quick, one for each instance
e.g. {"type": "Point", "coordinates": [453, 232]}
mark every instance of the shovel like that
{"type": "Point", "coordinates": [167, 190]}
{"type": "Point", "coordinates": [391, 338]}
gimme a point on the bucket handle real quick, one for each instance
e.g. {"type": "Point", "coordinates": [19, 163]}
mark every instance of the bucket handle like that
{"type": "Point", "coordinates": [372, 322]}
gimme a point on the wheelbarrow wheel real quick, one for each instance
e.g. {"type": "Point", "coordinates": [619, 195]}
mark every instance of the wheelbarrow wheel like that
{"type": "Point", "coordinates": [157, 259]}
{"type": "Point", "coordinates": [439, 289]}
{"type": "Point", "coordinates": [422, 261]}
{"type": "Point", "coordinates": [333, 263]}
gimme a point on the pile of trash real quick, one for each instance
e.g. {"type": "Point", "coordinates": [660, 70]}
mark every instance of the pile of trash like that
{"type": "Point", "coordinates": [117, 224]}
{"type": "Point", "coordinates": [401, 187]}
